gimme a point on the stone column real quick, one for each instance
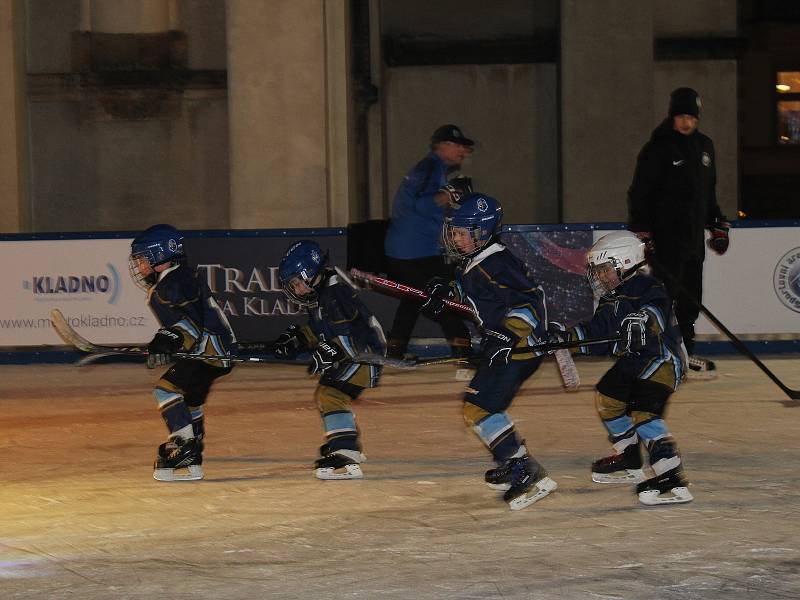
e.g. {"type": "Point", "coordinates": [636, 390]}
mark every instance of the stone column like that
{"type": "Point", "coordinates": [15, 213]}
{"type": "Point", "coordinates": [606, 83]}
{"type": "Point", "coordinates": [288, 113]}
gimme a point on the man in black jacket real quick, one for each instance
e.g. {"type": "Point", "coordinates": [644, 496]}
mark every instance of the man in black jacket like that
{"type": "Point", "coordinates": [671, 201]}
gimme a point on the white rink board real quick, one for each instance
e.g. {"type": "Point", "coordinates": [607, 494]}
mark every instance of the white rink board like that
{"type": "Point", "coordinates": [742, 288]}
{"type": "Point", "coordinates": [87, 280]}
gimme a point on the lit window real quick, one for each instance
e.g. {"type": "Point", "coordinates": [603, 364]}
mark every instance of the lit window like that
{"type": "Point", "coordinates": [787, 88]}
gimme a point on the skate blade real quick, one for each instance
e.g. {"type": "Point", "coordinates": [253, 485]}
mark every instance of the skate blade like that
{"type": "Point", "coordinates": [631, 476]}
{"type": "Point", "coordinates": [654, 497]}
{"type": "Point", "coordinates": [350, 472]}
{"type": "Point", "coordinates": [543, 488]}
{"type": "Point", "coordinates": [700, 375]}
{"type": "Point", "coordinates": [465, 374]}
{"type": "Point", "coordinates": [501, 487]}
{"type": "Point", "coordinates": [192, 473]}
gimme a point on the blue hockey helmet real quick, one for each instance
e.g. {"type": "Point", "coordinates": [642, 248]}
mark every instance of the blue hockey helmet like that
{"type": "Point", "coordinates": [470, 225]}
{"type": "Point", "coordinates": [301, 271]}
{"type": "Point", "coordinates": [156, 245]}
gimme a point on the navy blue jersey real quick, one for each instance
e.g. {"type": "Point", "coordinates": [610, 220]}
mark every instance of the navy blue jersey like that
{"type": "Point", "coordinates": [641, 293]}
{"type": "Point", "coordinates": [341, 317]}
{"type": "Point", "coordinates": [497, 285]}
{"type": "Point", "coordinates": [182, 300]}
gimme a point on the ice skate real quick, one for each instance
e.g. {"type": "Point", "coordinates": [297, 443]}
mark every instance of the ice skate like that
{"type": "Point", "coordinates": [624, 467]}
{"type": "Point", "coordinates": [339, 464]}
{"type": "Point", "coordinates": [667, 488]}
{"type": "Point", "coordinates": [179, 460]}
{"type": "Point", "coordinates": [529, 483]}
{"type": "Point", "coordinates": [701, 369]}
{"type": "Point", "coordinates": [499, 478]}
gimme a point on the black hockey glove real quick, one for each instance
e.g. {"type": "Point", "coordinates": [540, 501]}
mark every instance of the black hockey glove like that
{"type": "Point", "coordinates": [290, 343]}
{"type": "Point", "coordinates": [457, 189]}
{"type": "Point", "coordinates": [164, 344]}
{"type": "Point", "coordinates": [326, 356]}
{"type": "Point", "coordinates": [634, 326]}
{"type": "Point", "coordinates": [438, 290]}
{"type": "Point", "coordinates": [557, 333]}
{"type": "Point", "coordinates": [719, 240]}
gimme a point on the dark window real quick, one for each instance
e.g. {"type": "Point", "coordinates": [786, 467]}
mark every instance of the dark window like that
{"type": "Point", "coordinates": [787, 95]}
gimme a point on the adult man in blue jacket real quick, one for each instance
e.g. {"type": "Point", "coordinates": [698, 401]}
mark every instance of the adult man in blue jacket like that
{"type": "Point", "coordinates": [412, 245]}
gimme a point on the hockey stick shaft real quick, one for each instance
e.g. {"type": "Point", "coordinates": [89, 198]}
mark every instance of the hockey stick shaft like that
{"type": "Point", "coordinates": [379, 359]}
{"type": "Point", "coordinates": [737, 343]}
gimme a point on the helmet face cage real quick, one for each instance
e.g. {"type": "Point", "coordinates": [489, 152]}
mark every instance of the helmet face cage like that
{"type": "Point", "coordinates": [477, 218]}
{"type": "Point", "coordinates": [452, 235]}
{"type": "Point", "coordinates": [301, 267]}
{"type": "Point", "coordinates": [290, 288]}
{"type": "Point", "coordinates": [141, 272]}
{"type": "Point", "coordinates": [605, 277]}
{"type": "Point", "coordinates": [155, 246]}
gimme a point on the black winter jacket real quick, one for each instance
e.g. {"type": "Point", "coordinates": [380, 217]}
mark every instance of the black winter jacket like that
{"type": "Point", "coordinates": [673, 194]}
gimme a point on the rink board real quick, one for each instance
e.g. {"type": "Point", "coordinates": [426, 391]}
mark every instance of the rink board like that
{"type": "Point", "coordinates": [754, 289]}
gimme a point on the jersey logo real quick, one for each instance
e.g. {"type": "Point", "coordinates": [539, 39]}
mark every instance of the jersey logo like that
{"type": "Point", "coordinates": [676, 163]}
{"type": "Point", "coordinates": [706, 159]}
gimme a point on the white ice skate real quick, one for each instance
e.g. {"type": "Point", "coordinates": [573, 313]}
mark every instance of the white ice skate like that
{"type": "Point", "coordinates": [340, 464]}
{"type": "Point", "coordinates": [539, 490]}
{"type": "Point", "coordinates": [668, 488]}
{"type": "Point", "coordinates": [179, 460]}
{"type": "Point", "coordinates": [624, 467]}
{"type": "Point", "coordinates": [528, 482]}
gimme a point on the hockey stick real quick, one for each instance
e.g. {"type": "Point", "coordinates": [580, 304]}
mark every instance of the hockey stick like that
{"type": "Point", "coordinates": [399, 363]}
{"type": "Point", "coordinates": [67, 333]}
{"type": "Point", "coordinates": [96, 351]}
{"type": "Point", "coordinates": [737, 343]}
{"type": "Point", "coordinates": [566, 366]}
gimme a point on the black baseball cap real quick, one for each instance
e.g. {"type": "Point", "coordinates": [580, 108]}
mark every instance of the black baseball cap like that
{"type": "Point", "coordinates": [451, 133]}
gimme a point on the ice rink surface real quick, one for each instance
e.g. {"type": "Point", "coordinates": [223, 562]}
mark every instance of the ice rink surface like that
{"type": "Point", "coordinates": [82, 517]}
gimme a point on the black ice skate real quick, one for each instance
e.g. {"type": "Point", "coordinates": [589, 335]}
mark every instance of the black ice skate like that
{"type": "Point", "coordinates": [500, 477]}
{"type": "Point", "coordinates": [529, 483]}
{"type": "Point", "coordinates": [339, 464]}
{"type": "Point", "coordinates": [667, 488]}
{"type": "Point", "coordinates": [701, 368]}
{"type": "Point", "coordinates": [624, 467]}
{"type": "Point", "coordinates": [183, 456]}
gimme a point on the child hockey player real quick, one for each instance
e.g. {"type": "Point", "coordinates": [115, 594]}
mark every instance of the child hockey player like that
{"type": "Point", "coordinates": [339, 327]}
{"type": "Point", "coordinates": [191, 321]}
{"type": "Point", "coordinates": [511, 309]}
{"type": "Point", "coordinates": [633, 394]}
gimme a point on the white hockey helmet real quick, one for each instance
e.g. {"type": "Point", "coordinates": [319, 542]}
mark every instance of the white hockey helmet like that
{"type": "Point", "coordinates": [613, 259]}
